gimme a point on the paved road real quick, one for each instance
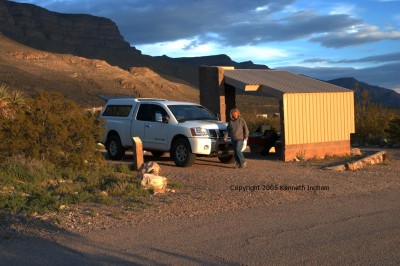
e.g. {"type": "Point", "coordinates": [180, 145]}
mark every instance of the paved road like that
{"type": "Point", "coordinates": [359, 230]}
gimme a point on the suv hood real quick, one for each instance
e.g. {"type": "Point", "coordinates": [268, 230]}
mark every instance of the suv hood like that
{"type": "Point", "coordinates": [208, 124]}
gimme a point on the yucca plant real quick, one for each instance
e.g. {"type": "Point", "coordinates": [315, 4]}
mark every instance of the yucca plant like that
{"type": "Point", "coordinates": [13, 97]}
{"type": "Point", "coordinates": [4, 94]}
{"type": "Point", "coordinates": [16, 98]}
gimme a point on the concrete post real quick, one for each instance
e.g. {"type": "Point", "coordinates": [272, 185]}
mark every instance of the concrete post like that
{"type": "Point", "coordinates": [137, 153]}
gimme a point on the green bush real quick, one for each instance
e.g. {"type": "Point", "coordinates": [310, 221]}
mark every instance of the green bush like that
{"type": "Point", "coordinates": [52, 128]}
{"type": "Point", "coordinates": [393, 130]}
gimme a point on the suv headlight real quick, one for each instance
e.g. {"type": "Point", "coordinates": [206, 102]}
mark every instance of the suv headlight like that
{"type": "Point", "coordinates": [198, 132]}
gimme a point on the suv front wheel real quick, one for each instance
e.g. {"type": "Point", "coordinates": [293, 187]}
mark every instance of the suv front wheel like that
{"type": "Point", "coordinates": [181, 153]}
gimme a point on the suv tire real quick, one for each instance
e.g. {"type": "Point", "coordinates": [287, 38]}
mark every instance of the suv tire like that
{"type": "Point", "coordinates": [114, 148]}
{"type": "Point", "coordinates": [182, 154]}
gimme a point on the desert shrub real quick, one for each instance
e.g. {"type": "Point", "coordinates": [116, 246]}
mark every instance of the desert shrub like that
{"type": "Point", "coordinates": [253, 122]}
{"type": "Point", "coordinates": [371, 120]}
{"type": "Point", "coordinates": [393, 130]}
{"type": "Point", "coordinates": [52, 128]}
{"type": "Point", "coordinates": [49, 158]}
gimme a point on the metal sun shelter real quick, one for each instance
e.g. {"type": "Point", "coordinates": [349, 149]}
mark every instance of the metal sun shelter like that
{"type": "Point", "coordinates": [317, 118]}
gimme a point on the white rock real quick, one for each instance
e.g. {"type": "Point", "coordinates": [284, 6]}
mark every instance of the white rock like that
{"type": "Point", "coordinates": [155, 182]}
{"type": "Point", "coordinates": [150, 168]}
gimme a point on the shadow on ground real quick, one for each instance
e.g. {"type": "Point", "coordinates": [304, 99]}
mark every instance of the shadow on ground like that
{"type": "Point", "coordinates": [211, 161]}
{"type": "Point", "coordinates": [37, 242]}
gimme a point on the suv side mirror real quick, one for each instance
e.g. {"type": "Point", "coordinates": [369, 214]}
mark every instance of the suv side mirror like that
{"type": "Point", "coordinates": [165, 119]}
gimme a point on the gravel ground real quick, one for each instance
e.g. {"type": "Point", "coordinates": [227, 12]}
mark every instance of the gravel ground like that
{"type": "Point", "coordinates": [212, 187]}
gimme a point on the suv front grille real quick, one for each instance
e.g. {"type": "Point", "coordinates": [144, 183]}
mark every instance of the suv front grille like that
{"type": "Point", "coordinates": [215, 133]}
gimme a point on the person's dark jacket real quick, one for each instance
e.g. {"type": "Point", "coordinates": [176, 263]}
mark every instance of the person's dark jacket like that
{"type": "Point", "coordinates": [237, 129]}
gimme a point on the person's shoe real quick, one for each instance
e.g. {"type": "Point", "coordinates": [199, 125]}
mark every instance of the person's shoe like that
{"type": "Point", "coordinates": [243, 165]}
{"type": "Point", "coordinates": [237, 166]}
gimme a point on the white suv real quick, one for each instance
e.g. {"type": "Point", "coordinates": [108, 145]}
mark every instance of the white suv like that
{"type": "Point", "coordinates": [186, 130]}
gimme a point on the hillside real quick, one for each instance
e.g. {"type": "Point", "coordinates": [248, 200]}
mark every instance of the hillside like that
{"type": "Point", "coordinates": [82, 35]}
{"type": "Point", "coordinates": [377, 94]}
{"type": "Point", "coordinates": [81, 79]}
{"type": "Point", "coordinates": [96, 38]}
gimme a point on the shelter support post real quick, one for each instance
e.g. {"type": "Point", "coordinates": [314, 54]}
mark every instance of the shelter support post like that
{"type": "Point", "coordinates": [218, 97]}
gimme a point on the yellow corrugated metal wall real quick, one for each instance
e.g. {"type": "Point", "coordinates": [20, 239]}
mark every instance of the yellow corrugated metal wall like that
{"type": "Point", "coordinates": [318, 117]}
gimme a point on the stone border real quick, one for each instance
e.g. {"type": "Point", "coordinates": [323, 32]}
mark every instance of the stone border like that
{"type": "Point", "coordinates": [375, 158]}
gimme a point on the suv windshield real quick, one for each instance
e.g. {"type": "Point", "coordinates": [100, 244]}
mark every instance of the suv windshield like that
{"type": "Point", "coordinates": [191, 112]}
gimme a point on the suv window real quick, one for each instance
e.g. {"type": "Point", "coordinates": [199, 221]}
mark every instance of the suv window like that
{"type": "Point", "coordinates": [117, 110]}
{"type": "Point", "coordinates": [147, 112]}
{"type": "Point", "coordinates": [191, 112]}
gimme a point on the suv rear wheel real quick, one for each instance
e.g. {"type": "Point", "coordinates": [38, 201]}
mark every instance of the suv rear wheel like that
{"type": "Point", "coordinates": [157, 154]}
{"type": "Point", "coordinates": [114, 148]}
{"type": "Point", "coordinates": [227, 159]}
{"type": "Point", "coordinates": [181, 153]}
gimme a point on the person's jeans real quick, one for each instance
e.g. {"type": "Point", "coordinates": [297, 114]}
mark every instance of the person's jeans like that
{"type": "Point", "coordinates": [237, 148]}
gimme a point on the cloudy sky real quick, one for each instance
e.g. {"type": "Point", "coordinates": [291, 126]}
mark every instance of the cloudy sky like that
{"type": "Point", "coordinates": [322, 39]}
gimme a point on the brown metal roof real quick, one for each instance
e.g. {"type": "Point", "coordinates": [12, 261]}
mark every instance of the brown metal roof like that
{"type": "Point", "coordinates": [277, 82]}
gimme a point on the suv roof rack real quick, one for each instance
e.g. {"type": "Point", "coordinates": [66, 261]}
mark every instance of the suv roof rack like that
{"type": "Point", "coordinates": [150, 99]}
{"type": "Point", "coordinates": [109, 97]}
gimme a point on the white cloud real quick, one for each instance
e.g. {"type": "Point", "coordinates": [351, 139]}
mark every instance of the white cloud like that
{"type": "Point", "coordinates": [186, 48]}
{"type": "Point", "coordinates": [341, 9]}
{"type": "Point", "coordinates": [178, 48]}
{"type": "Point", "coordinates": [356, 35]}
{"type": "Point", "coordinates": [256, 53]}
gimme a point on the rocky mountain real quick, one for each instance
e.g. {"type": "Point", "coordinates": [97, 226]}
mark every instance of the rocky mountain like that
{"type": "Point", "coordinates": [216, 60]}
{"type": "Point", "coordinates": [96, 38]}
{"type": "Point", "coordinates": [81, 79]}
{"type": "Point", "coordinates": [99, 38]}
{"type": "Point", "coordinates": [83, 35]}
{"type": "Point", "coordinates": [378, 94]}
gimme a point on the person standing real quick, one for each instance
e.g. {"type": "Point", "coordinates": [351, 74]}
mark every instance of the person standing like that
{"type": "Point", "coordinates": [237, 129]}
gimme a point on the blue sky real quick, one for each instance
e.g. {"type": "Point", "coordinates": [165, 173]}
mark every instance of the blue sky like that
{"type": "Point", "coordinates": [322, 39]}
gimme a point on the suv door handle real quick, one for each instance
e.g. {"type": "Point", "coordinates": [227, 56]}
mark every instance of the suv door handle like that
{"type": "Point", "coordinates": [147, 125]}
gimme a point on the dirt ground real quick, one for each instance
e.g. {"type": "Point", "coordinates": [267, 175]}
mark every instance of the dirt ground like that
{"type": "Point", "coordinates": [212, 187]}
